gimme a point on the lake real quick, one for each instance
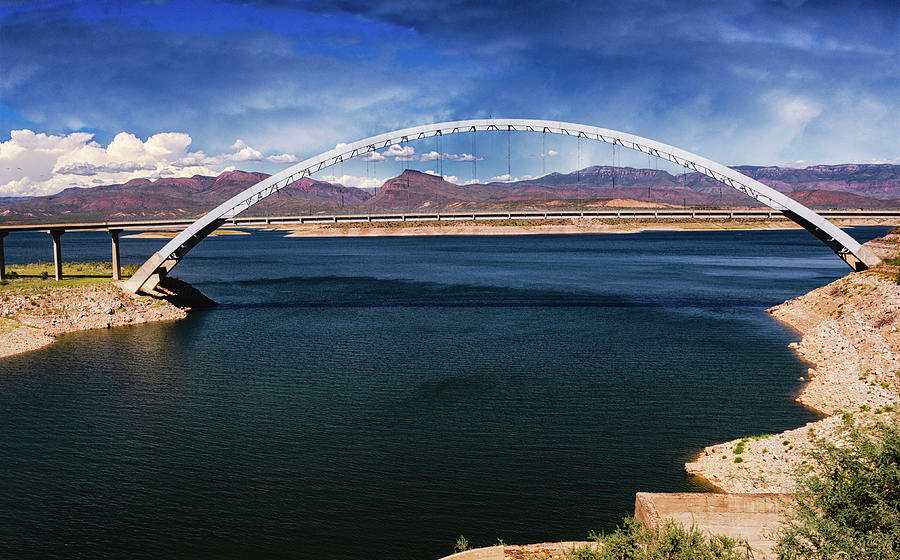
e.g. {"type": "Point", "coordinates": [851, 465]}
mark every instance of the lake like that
{"type": "Point", "coordinates": [356, 398]}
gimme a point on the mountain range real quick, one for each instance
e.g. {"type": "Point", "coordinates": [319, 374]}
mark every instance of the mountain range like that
{"type": "Point", "coordinates": [870, 186]}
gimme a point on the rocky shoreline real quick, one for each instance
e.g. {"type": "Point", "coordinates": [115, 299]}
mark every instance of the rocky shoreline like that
{"type": "Point", "coordinates": [851, 335]}
{"type": "Point", "coordinates": [29, 321]}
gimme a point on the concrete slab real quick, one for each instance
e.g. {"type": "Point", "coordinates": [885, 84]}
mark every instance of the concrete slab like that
{"type": "Point", "coordinates": [750, 517]}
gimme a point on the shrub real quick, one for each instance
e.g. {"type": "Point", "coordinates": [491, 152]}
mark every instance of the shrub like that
{"type": "Point", "coordinates": [44, 275]}
{"type": "Point", "coordinates": [848, 505]}
{"type": "Point", "coordinates": [671, 541]}
{"type": "Point", "coordinates": [462, 544]}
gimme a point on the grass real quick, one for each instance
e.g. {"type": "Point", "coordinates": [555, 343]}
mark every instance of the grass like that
{"type": "Point", "coordinates": [8, 325]}
{"type": "Point", "coordinates": [170, 234]}
{"type": "Point", "coordinates": [38, 277]}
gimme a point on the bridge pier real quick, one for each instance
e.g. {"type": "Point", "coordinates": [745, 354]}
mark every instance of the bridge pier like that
{"type": "Point", "coordinates": [2, 257]}
{"type": "Point", "coordinates": [57, 252]}
{"type": "Point", "coordinates": [116, 265]}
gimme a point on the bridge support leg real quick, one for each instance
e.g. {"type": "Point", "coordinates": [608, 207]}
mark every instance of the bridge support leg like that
{"type": "Point", "coordinates": [116, 265]}
{"type": "Point", "coordinates": [57, 252]}
{"type": "Point", "coordinates": [2, 257]}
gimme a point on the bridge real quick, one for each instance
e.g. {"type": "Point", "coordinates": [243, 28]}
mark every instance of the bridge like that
{"type": "Point", "coordinates": [151, 273]}
{"type": "Point", "coordinates": [116, 228]}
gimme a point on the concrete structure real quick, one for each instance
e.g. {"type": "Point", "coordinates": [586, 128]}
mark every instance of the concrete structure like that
{"type": "Point", "coordinates": [2, 257]}
{"type": "Point", "coordinates": [540, 551]}
{"type": "Point", "coordinates": [115, 228]}
{"type": "Point", "coordinates": [57, 252]}
{"type": "Point", "coordinates": [161, 262]}
{"type": "Point", "coordinates": [746, 517]}
{"type": "Point", "coordinates": [750, 517]}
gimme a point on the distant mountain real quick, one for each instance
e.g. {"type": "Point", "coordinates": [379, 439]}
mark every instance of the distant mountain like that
{"type": "Point", "coordinates": [823, 186]}
{"type": "Point", "coordinates": [176, 198]}
{"type": "Point", "coordinates": [852, 185]}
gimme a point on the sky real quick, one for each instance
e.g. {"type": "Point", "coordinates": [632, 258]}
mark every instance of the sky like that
{"type": "Point", "coordinates": [97, 93]}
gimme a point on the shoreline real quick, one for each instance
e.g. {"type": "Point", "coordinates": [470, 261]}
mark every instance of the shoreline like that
{"type": "Point", "coordinates": [30, 321]}
{"type": "Point", "coordinates": [850, 336]}
{"type": "Point", "coordinates": [545, 227]}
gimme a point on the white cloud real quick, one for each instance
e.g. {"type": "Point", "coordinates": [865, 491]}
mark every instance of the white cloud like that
{"type": "Point", "coordinates": [408, 153]}
{"type": "Point", "coordinates": [461, 157]}
{"type": "Point", "coordinates": [283, 158]}
{"type": "Point", "coordinates": [399, 152]}
{"type": "Point", "coordinates": [550, 153]}
{"type": "Point", "coordinates": [372, 156]}
{"type": "Point", "coordinates": [34, 164]}
{"type": "Point", "coordinates": [355, 181]}
{"type": "Point", "coordinates": [506, 178]}
{"type": "Point", "coordinates": [243, 152]}
{"type": "Point", "coordinates": [430, 156]}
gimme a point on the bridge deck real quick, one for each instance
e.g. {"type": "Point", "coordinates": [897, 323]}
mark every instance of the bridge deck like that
{"type": "Point", "coordinates": [114, 228]}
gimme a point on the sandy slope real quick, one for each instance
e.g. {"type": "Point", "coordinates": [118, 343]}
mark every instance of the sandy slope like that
{"type": "Point", "coordinates": [851, 334]}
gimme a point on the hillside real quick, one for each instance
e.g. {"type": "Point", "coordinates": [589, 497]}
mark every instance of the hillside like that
{"type": "Point", "coordinates": [176, 197]}
{"type": "Point", "coordinates": [837, 186]}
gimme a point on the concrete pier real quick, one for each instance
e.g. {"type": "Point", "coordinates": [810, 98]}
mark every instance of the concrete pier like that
{"type": "Point", "coordinates": [57, 252]}
{"type": "Point", "coordinates": [2, 257]}
{"type": "Point", "coordinates": [116, 265]}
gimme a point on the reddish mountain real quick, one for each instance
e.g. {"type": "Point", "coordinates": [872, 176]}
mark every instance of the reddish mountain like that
{"type": "Point", "coordinates": [836, 186]}
{"type": "Point", "coordinates": [176, 197]}
{"type": "Point", "coordinates": [819, 198]}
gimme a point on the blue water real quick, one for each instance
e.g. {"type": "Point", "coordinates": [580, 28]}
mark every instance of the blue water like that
{"type": "Point", "coordinates": [377, 397]}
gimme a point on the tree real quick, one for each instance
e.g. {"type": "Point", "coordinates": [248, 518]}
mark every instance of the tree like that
{"type": "Point", "coordinates": [848, 504]}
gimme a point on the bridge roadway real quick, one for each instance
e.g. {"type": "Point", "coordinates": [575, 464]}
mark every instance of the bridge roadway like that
{"type": "Point", "coordinates": [56, 230]}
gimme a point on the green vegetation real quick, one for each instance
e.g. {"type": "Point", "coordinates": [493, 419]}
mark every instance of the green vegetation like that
{"type": "Point", "coordinates": [37, 277]}
{"type": "Point", "coordinates": [462, 544]}
{"type": "Point", "coordinates": [671, 541]}
{"type": "Point", "coordinates": [738, 459]}
{"type": "Point", "coordinates": [848, 505]}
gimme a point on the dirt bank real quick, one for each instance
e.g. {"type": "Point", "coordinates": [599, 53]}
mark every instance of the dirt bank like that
{"type": "Point", "coordinates": [851, 335]}
{"type": "Point", "coordinates": [31, 319]}
{"type": "Point", "coordinates": [526, 227]}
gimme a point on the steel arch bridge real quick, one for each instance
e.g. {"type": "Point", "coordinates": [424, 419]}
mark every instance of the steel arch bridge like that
{"type": "Point", "coordinates": [149, 275]}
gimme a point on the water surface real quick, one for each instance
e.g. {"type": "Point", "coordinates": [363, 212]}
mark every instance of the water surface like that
{"type": "Point", "coordinates": [377, 397]}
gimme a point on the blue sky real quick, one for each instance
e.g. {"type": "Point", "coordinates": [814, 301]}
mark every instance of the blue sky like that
{"type": "Point", "coordinates": [110, 90]}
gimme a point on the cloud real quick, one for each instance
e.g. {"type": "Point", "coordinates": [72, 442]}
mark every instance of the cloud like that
{"type": "Point", "coordinates": [408, 153]}
{"type": "Point", "coordinates": [355, 181]}
{"type": "Point", "coordinates": [364, 67]}
{"type": "Point", "coordinates": [33, 164]}
{"type": "Point", "coordinates": [550, 153]}
{"type": "Point", "coordinates": [462, 157]}
{"type": "Point", "coordinates": [399, 152]}
{"type": "Point", "coordinates": [87, 169]}
{"type": "Point", "coordinates": [507, 178]}
{"type": "Point", "coordinates": [282, 158]}
{"type": "Point", "coordinates": [372, 156]}
{"type": "Point", "coordinates": [243, 152]}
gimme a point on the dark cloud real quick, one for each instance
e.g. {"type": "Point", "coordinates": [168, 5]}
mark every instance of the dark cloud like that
{"type": "Point", "coordinates": [740, 81]}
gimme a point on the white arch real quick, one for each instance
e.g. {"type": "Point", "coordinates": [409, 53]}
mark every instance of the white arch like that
{"type": "Point", "coordinates": [152, 271]}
